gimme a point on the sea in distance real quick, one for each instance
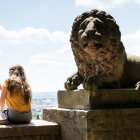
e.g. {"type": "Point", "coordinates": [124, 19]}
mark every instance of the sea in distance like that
{"type": "Point", "coordinates": [43, 100]}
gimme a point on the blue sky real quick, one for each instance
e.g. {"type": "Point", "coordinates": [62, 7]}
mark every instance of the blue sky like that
{"type": "Point", "coordinates": [35, 34]}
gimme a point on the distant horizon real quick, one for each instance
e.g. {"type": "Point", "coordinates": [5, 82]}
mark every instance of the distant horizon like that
{"type": "Point", "coordinates": [44, 91]}
{"type": "Point", "coordinates": [48, 95]}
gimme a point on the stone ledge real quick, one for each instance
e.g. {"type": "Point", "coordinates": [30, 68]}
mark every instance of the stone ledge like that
{"type": "Point", "coordinates": [103, 98]}
{"type": "Point", "coordinates": [96, 124]}
{"type": "Point", "coordinates": [36, 127]}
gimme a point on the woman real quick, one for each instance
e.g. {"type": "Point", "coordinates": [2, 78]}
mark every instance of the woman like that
{"type": "Point", "coordinates": [18, 95]}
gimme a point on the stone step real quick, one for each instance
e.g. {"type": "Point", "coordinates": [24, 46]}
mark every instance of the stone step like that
{"type": "Point", "coordinates": [102, 98]}
{"type": "Point", "coordinates": [36, 130]}
{"type": "Point", "coordinates": [96, 124]}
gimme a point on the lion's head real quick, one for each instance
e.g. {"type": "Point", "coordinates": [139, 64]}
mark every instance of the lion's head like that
{"type": "Point", "coordinates": [95, 41]}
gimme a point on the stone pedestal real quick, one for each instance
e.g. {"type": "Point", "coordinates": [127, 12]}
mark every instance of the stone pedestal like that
{"type": "Point", "coordinates": [103, 98]}
{"type": "Point", "coordinates": [109, 115]}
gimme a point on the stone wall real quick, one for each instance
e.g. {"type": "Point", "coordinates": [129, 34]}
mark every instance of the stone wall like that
{"type": "Point", "coordinates": [101, 123]}
{"type": "Point", "coordinates": [73, 123]}
{"type": "Point", "coordinates": [103, 98]}
{"type": "Point", "coordinates": [31, 137]}
{"type": "Point", "coordinates": [36, 130]}
{"type": "Point", "coordinates": [84, 115]}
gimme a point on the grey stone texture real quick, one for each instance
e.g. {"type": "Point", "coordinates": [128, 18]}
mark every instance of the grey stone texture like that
{"type": "Point", "coordinates": [36, 130]}
{"type": "Point", "coordinates": [97, 124]}
{"type": "Point", "coordinates": [103, 98]}
{"type": "Point", "coordinates": [105, 114]}
{"type": "Point", "coordinates": [100, 54]}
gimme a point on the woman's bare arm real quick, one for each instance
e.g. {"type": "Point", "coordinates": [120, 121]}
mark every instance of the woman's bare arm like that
{"type": "Point", "coordinates": [0, 87]}
{"type": "Point", "coordinates": [2, 99]}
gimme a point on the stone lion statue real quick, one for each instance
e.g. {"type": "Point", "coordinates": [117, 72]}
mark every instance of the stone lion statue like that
{"type": "Point", "coordinates": [100, 55]}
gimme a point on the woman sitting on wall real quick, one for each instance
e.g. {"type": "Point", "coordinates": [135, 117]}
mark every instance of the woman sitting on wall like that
{"type": "Point", "coordinates": [18, 95]}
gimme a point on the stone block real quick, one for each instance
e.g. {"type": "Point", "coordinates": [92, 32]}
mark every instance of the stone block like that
{"type": "Point", "coordinates": [37, 129]}
{"type": "Point", "coordinates": [97, 124]}
{"type": "Point", "coordinates": [103, 98]}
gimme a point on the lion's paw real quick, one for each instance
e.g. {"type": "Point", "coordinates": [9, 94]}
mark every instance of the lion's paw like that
{"type": "Point", "coordinates": [74, 81]}
{"type": "Point", "coordinates": [69, 84]}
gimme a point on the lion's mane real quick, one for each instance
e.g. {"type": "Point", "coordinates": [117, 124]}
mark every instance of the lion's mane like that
{"type": "Point", "coordinates": [110, 55]}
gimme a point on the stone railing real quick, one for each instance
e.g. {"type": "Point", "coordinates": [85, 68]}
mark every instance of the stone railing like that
{"type": "Point", "coordinates": [111, 114]}
{"type": "Point", "coordinates": [36, 130]}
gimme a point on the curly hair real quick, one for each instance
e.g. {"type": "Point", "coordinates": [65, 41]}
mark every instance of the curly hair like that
{"type": "Point", "coordinates": [17, 78]}
{"type": "Point", "coordinates": [105, 36]}
{"type": "Point", "coordinates": [110, 22]}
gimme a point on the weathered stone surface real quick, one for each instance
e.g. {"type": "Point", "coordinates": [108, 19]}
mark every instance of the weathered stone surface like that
{"type": "Point", "coordinates": [37, 129]}
{"type": "Point", "coordinates": [31, 137]}
{"type": "Point", "coordinates": [103, 98]}
{"type": "Point", "coordinates": [74, 99]}
{"type": "Point", "coordinates": [73, 123]}
{"type": "Point", "coordinates": [100, 54]}
{"type": "Point", "coordinates": [98, 124]}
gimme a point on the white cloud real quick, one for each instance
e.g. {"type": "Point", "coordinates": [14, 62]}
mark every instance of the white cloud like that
{"type": "Point", "coordinates": [40, 56]}
{"type": "Point", "coordinates": [1, 53]}
{"type": "Point", "coordinates": [50, 59]}
{"type": "Point", "coordinates": [39, 59]}
{"type": "Point", "coordinates": [47, 65]}
{"type": "Point", "coordinates": [31, 35]}
{"type": "Point", "coordinates": [48, 71]}
{"type": "Point", "coordinates": [132, 42]}
{"type": "Point", "coordinates": [59, 36]}
{"type": "Point", "coordinates": [137, 1]}
{"type": "Point", "coordinates": [64, 49]}
{"type": "Point", "coordinates": [100, 4]}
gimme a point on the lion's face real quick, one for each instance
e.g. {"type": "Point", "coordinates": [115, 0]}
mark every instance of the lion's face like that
{"type": "Point", "coordinates": [94, 36]}
{"type": "Point", "coordinates": [88, 36]}
{"type": "Point", "coordinates": [98, 48]}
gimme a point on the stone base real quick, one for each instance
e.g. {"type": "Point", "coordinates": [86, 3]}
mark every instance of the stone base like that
{"type": "Point", "coordinates": [103, 98]}
{"type": "Point", "coordinates": [36, 130]}
{"type": "Point", "coordinates": [99, 124]}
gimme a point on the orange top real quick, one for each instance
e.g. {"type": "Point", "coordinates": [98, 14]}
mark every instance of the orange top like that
{"type": "Point", "coordinates": [16, 99]}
